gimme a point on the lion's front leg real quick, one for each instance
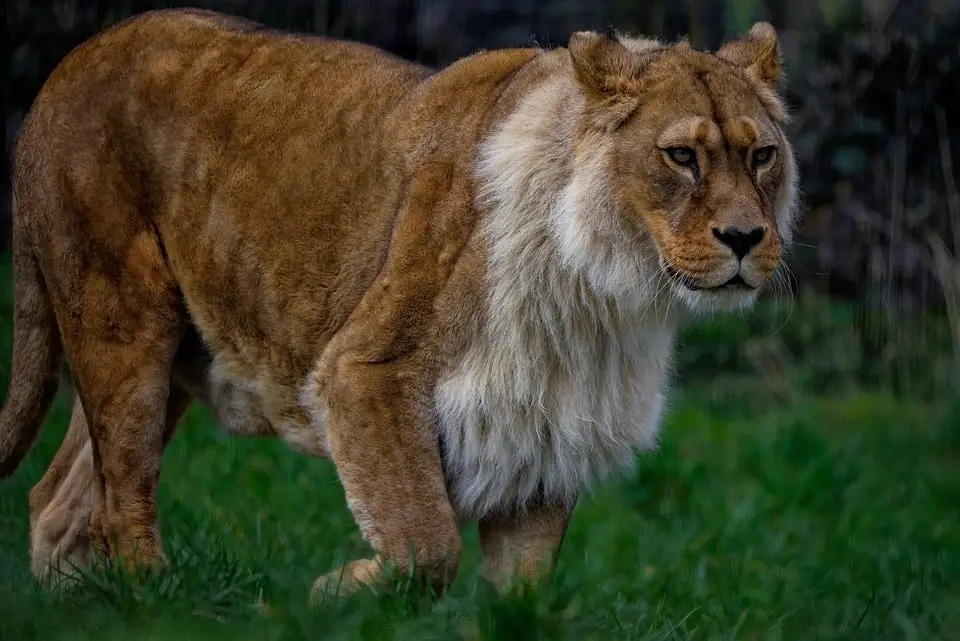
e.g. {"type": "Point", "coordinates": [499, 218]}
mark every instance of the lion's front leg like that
{"type": "Point", "coordinates": [521, 549]}
{"type": "Point", "coordinates": [388, 458]}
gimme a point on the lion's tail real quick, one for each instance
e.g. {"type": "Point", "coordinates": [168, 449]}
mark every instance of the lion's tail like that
{"type": "Point", "coordinates": [36, 357]}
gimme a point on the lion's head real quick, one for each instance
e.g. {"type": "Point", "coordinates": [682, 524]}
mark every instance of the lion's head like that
{"type": "Point", "coordinates": [695, 157]}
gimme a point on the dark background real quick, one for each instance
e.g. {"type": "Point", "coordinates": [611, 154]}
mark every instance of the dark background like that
{"type": "Point", "coordinates": [871, 83]}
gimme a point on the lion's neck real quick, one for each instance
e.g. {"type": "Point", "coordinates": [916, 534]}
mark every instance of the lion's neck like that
{"type": "Point", "coordinates": [557, 251]}
{"type": "Point", "coordinates": [566, 375]}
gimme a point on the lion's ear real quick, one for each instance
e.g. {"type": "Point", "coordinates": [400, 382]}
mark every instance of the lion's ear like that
{"type": "Point", "coordinates": [608, 72]}
{"type": "Point", "coordinates": [600, 61]}
{"type": "Point", "coordinates": [757, 52]}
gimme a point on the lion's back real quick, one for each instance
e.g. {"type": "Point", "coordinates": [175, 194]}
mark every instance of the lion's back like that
{"type": "Point", "coordinates": [246, 150]}
{"type": "Point", "coordinates": [179, 58]}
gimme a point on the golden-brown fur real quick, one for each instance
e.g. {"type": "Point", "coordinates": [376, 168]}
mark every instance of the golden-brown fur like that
{"type": "Point", "coordinates": [462, 286]}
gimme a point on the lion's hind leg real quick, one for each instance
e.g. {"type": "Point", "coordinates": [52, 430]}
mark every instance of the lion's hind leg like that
{"type": "Point", "coordinates": [122, 318]}
{"type": "Point", "coordinates": [61, 503]}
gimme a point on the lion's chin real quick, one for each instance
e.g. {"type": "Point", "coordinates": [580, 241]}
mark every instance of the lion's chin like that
{"type": "Point", "coordinates": [729, 298]}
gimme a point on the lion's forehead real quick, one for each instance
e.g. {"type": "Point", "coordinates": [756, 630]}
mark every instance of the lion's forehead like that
{"type": "Point", "coordinates": [711, 89]}
{"type": "Point", "coordinates": [739, 131]}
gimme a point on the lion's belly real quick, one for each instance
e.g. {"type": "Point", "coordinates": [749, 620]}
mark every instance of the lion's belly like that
{"type": "Point", "coordinates": [512, 435]}
{"type": "Point", "coordinates": [249, 404]}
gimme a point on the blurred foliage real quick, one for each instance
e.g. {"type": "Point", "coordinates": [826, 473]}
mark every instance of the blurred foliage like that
{"type": "Point", "coordinates": [814, 345]}
{"type": "Point", "coordinates": [870, 83]}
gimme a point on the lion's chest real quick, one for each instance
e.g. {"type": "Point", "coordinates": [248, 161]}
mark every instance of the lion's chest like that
{"type": "Point", "coordinates": [519, 424]}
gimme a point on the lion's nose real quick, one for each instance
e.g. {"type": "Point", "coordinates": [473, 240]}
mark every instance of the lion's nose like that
{"type": "Point", "coordinates": [739, 240]}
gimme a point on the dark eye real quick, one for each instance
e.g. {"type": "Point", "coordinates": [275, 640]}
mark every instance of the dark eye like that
{"type": "Point", "coordinates": [683, 156]}
{"type": "Point", "coordinates": [763, 156]}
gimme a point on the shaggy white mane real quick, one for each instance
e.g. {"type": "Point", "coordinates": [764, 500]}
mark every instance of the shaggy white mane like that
{"type": "Point", "coordinates": [565, 378]}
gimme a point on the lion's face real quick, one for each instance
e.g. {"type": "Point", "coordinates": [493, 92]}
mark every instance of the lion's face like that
{"type": "Point", "coordinates": [702, 166]}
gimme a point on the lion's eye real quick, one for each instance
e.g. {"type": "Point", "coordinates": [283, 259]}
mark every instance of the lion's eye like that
{"type": "Point", "coordinates": [683, 156]}
{"type": "Point", "coordinates": [763, 156]}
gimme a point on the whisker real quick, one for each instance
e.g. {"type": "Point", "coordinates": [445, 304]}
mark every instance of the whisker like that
{"type": "Point", "coordinates": [782, 279]}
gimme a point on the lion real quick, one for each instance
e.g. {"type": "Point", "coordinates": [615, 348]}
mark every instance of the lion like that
{"type": "Point", "coordinates": [462, 286]}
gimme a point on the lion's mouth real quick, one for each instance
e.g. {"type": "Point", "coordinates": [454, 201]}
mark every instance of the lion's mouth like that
{"type": "Point", "coordinates": [734, 284]}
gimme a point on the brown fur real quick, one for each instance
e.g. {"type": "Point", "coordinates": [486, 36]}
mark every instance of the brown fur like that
{"type": "Point", "coordinates": [307, 208]}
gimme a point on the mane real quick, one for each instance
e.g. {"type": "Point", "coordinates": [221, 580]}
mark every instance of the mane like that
{"type": "Point", "coordinates": [566, 376]}
{"type": "Point", "coordinates": [551, 223]}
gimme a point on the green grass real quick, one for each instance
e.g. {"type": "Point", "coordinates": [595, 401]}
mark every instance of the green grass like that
{"type": "Point", "coordinates": [786, 502]}
{"type": "Point", "coordinates": [833, 518]}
